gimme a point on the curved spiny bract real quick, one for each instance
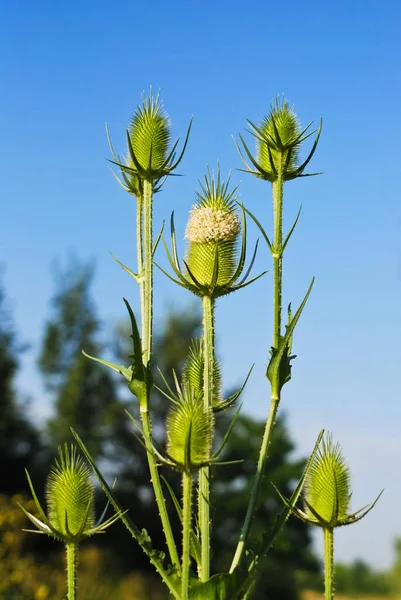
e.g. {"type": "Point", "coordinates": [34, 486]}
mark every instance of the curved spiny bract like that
{"type": "Point", "coordinates": [278, 142]}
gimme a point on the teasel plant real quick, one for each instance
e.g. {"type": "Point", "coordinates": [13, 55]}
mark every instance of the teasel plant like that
{"type": "Point", "coordinates": [326, 498]}
{"type": "Point", "coordinates": [213, 266]}
{"type": "Point", "coordinates": [70, 518]}
{"type": "Point", "coordinates": [279, 140]}
{"type": "Point", "coordinates": [149, 161]}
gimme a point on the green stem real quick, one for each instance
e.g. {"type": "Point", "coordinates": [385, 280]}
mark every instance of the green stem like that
{"type": "Point", "coordinates": [147, 316]}
{"type": "Point", "coordinates": [277, 252]}
{"type": "Point", "coordinates": [329, 564]}
{"type": "Point", "coordinates": [72, 564]}
{"type": "Point", "coordinates": [186, 533]}
{"type": "Point", "coordinates": [204, 473]}
{"type": "Point", "coordinates": [263, 454]}
{"type": "Point", "coordinates": [139, 250]}
{"type": "Point", "coordinates": [146, 285]}
{"type": "Point", "coordinates": [278, 257]}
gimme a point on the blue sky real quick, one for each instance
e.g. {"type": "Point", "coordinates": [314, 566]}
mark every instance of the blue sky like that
{"type": "Point", "coordinates": [68, 67]}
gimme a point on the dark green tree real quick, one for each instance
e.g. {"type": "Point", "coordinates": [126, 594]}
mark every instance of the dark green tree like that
{"type": "Point", "coordinates": [84, 392]}
{"type": "Point", "coordinates": [19, 440]}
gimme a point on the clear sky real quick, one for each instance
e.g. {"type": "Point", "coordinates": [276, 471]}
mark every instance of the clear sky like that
{"type": "Point", "coordinates": [68, 67]}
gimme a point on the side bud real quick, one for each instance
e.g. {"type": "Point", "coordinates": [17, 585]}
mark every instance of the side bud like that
{"type": "Point", "coordinates": [189, 428]}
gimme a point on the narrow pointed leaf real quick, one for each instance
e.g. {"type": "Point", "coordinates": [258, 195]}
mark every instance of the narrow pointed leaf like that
{"type": "Point", "coordinates": [124, 371]}
{"type": "Point", "coordinates": [133, 275]}
{"type": "Point", "coordinates": [292, 229]}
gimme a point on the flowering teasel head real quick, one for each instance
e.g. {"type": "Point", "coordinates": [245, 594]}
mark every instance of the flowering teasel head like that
{"type": "Point", "coordinates": [150, 154]}
{"type": "Point", "coordinates": [327, 490]}
{"type": "Point", "coordinates": [213, 261]}
{"type": "Point", "coordinates": [70, 499]}
{"type": "Point", "coordinates": [278, 142]}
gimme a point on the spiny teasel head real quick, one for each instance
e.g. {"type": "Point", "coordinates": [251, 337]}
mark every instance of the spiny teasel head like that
{"type": "Point", "coordinates": [193, 372]}
{"type": "Point", "coordinates": [327, 490]}
{"type": "Point", "coordinates": [278, 141]}
{"type": "Point", "coordinates": [70, 498]}
{"type": "Point", "coordinates": [150, 134]}
{"type": "Point", "coordinates": [328, 486]}
{"type": "Point", "coordinates": [282, 128]}
{"type": "Point", "coordinates": [69, 492]}
{"type": "Point", "coordinates": [189, 428]}
{"type": "Point", "coordinates": [212, 233]}
{"type": "Point", "coordinates": [214, 260]}
{"type": "Point", "coordinates": [150, 157]}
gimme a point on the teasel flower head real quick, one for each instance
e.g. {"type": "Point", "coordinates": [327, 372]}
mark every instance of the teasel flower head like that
{"type": "Point", "coordinates": [279, 138]}
{"type": "Point", "coordinates": [189, 427]}
{"type": "Point", "coordinates": [70, 499]}
{"type": "Point", "coordinates": [214, 260]}
{"type": "Point", "coordinates": [193, 375]}
{"type": "Point", "coordinates": [327, 490]}
{"type": "Point", "coordinates": [151, 157]}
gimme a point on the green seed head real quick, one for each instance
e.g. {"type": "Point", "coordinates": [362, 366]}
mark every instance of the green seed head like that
{"type": "Point", "coordinates": [212, 233]}
{"type": "Point", "coordinates": [189, 429]}
{"type": "Point", "coordinates": [281, 128]}
{"type": "Point", "coordinates": [328, 487]}
{"type": "Point", "coordinates": [70, 494]}
{"type": "Point", "coordinates": [193, 372]}
{"type": "Point", "coordinates": [150, 134]}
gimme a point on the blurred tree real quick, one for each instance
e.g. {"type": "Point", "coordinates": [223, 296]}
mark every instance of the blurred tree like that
{"type": "Point", "coordinates": [360, 578]}
{"type": "Point", "coordinates": [395, 572]}
{"type": "Point", "coordinates": [19, 440]}
{"type": "Point", "coordinates": [84, 392]}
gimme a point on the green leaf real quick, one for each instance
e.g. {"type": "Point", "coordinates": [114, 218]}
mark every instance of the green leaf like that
{"type": "Point", "coordinates": [279, 367]}
{"type": "Point", "coordinates": [124, 371]}
{"type": "Point", "coordinates": [221, 586]}
{"type": "Point", "coordinates": [133, 275]}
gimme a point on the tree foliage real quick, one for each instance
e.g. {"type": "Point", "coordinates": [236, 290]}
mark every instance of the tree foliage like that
{"type": "Point", "coordinates": [18, 437]}
{"type": "Point", "coordinates": [84, 393]}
